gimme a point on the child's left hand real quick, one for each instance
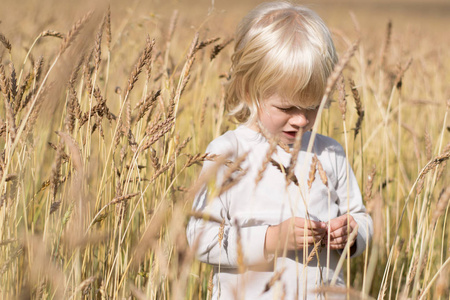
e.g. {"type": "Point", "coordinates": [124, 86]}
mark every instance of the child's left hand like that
{"type": "Point", "coordinates": [339, 231]}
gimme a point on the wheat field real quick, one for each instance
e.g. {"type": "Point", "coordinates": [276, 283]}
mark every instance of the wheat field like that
{"type": "Point", "coordinates": [106, 111]}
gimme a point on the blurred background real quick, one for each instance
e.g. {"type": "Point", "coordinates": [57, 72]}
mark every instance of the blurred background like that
{"type": "Point", "coordinates": [93, 243]}
{"type": "Point", "coordinates": [37, 15]}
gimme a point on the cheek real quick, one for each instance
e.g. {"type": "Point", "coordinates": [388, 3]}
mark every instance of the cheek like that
{"type": "Point", "coordinates": [279, 120]}
{"type": "Point", "coordinates": [270, 118]}
{"type": "Point", "coordinates": [265, 119]}
{"type": "Point", "coordinates": [312, 118]}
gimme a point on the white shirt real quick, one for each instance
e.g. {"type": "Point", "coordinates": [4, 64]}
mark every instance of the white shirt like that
{"type": "Point", "coordinates": [269, 202]}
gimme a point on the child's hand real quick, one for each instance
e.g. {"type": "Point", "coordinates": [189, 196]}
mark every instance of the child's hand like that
{"type": "Point", "coordinates": [339, 231]}
{"type": "Point", "coordinates": [292, 234]}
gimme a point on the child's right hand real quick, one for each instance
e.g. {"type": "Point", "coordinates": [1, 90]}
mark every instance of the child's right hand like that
{"type": "Point", "coordinates": [293, 234]}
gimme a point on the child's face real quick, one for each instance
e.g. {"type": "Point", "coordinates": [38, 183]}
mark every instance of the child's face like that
{"type": "Point", "coordinates": [285, 120]}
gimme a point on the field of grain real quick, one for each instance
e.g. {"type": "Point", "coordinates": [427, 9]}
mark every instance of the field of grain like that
{"type": "Point", "coordinates": [106, 111]}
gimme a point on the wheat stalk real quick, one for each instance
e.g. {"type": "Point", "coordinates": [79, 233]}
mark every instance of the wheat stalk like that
{"type": "Point", "coordinates": [386, 44]}
{"type": "Point", "coordinates": [12, 84]}
{"type": "Point", "coordinates": [358, 105]}
{"type": "Point", "coordinates": [3, 81]}
{"type": "Point", "coordinates": [6, 43]}
{"type": "Point", "coordinates": [341, 96]}
{"type": "Point", "coordinates": [312, 171]}
{"type": "Point", "coordinates": [73, 32]}
{"type": "Point", "coordinates": [218, 48]}
{"type": "Point", "coordinates": [275, 277]}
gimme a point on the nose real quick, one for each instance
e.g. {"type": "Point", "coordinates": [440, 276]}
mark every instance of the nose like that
{"type": "Point", "coordinates": [299, 120]}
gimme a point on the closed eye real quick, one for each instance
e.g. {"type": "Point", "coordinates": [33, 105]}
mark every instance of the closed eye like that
{"type": "Point", "coordinates": [286, 109]}
{"type": "Point", "coordinates": [294, 109]}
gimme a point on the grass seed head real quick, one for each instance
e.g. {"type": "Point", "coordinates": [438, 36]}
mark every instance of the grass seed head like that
{"type": "Point", "coordinates": [108, 27]}
{"type": "Point", "coordinates": [10, 120]}
{"type": "Point", "coordinates": [322, 173]}
{"type": "Point", "coordinates": [3, 81]}
{"type": "Point", "coordinates": [98, 46]}
{"type": "Point", "coordinates": [37, 68]}
{"type": "Point", "coordinates": [218, 48]}
{"type": "Point", "coordinates": [12, 83]}
{"type": "Point", "coordinates": [441, 205]}
{"type": "Point", "coordinates": [172, 26]}
{"type": "Point", "coordinates": [6, 43]}
{"type": "Point", "coordinates": [386, 44]}
{"type": "Point", "coordinates": [52, 33]}
{"type": "Point", "coordinates": [358, 106]}
{"type": "Point", "coordinates": [73, 32]}
{"type": "Point", "coordinates": [341, 96]}
{"type": "Point", "coordinates": [401, 73]}
{"type": "Point", "coordinates": [312, 171]}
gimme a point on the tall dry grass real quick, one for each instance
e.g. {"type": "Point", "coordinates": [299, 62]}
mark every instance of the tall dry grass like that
{"type": "Point", "coordinates": [103, 128]}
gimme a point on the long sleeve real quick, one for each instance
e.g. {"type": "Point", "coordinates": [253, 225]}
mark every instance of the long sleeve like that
{"type": "Point", "coordinates": [216, 243]}
{"type": "Point", "coordinates": [234, 224]}
{"type": "Point", "coordinates": [350, 200]}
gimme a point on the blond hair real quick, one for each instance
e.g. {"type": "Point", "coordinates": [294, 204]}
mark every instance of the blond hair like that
{"type": "Point", "coordinates": [280, 48]}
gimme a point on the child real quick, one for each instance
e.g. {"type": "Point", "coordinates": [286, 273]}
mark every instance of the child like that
{"type": "Point", "coordinates": [263, 249]}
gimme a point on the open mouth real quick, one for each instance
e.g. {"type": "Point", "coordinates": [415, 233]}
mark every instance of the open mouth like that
{"type": "Point", "coordinates": [290, 134]}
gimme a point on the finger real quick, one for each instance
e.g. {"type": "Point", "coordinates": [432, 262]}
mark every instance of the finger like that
{"type": "Point", "coordinates": [340, 232]}
{"type": "Point", "coordinates": [335, 246]}
{"type": "Point", "coordinates": [310, 224]}
{"type": "Point", "coordinates": [318, 238]}
{"type": "Point", "coordinates": [353, 223]}
{"type": "Point", "coordinates": [339, 240]}
{"type": "Point", "coordinates": [302, 242]}
{"type": "Point", "coordinates": [337, 222]}
{"type": "Point", "coordinates": [312, 237]}
{"type": "Point", "coordinates": [350, 220]}
{"type": "Point", "coordinates": [311, 240]}
{"type": "Point", "coordinates": [309, 232]}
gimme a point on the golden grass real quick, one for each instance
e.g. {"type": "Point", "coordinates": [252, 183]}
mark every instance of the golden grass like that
{"type": "Point", "coordinates": [128, 101]}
